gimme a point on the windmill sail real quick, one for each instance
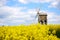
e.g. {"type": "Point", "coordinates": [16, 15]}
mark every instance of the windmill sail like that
{"type": "Point", "coordinates": [34, 20]}
{"type": "Point", "coordinates": [37, 13]}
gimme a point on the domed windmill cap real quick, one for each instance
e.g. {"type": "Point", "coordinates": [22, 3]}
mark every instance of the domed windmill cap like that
{"type": "Point", "coordinates": [43, 14]}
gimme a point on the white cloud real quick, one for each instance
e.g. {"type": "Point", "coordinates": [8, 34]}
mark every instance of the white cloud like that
{"type": "Point", "coordinates": [23, 1]}
{"type": "Point", "coordinates": [15, 15]}
{"type": "Point", "coordinates": [34, 1]}
{"type": "Point", "coordinates": [10, 13]}
{"type": "Point", "coordinates": [55, 4]}
{"type": "Point", "coordinates": [3, 2]}
{"type": "Point", "coordinates": [53, 18]}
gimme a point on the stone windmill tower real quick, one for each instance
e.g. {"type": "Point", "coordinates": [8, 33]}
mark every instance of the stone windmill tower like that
{"type": "Point", "coordinates": [42, 17]}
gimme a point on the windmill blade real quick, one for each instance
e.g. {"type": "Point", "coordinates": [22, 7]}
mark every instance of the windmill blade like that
{"type": "Point", "coordinates": [37, 11]}
{"type": "Point", "coordinates": [34, 20]}
{"type": "Point", "coordinates": [37, 15]}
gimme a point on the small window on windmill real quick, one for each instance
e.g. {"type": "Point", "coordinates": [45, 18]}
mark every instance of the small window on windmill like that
{"type": "Point", "coordinates": [42, 18]}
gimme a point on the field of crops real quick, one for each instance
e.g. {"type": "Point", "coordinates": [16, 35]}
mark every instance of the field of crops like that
{"type": "Point", "coordinates": [30, 32]}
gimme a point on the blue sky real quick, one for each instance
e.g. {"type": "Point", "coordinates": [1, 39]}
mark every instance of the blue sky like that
{"type": "Point", "coordinates": [16, 12]}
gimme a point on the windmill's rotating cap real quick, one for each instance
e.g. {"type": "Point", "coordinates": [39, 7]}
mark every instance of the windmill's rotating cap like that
{"type": "Point", "coordinates": [42, 14]}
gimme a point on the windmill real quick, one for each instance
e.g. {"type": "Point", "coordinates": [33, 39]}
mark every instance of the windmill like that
{"type": "Point", "coordinates": [42, 17]}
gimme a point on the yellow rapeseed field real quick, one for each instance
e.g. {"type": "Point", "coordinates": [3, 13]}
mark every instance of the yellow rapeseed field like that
{"type": "Point", "coordinates": [30, 32]}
